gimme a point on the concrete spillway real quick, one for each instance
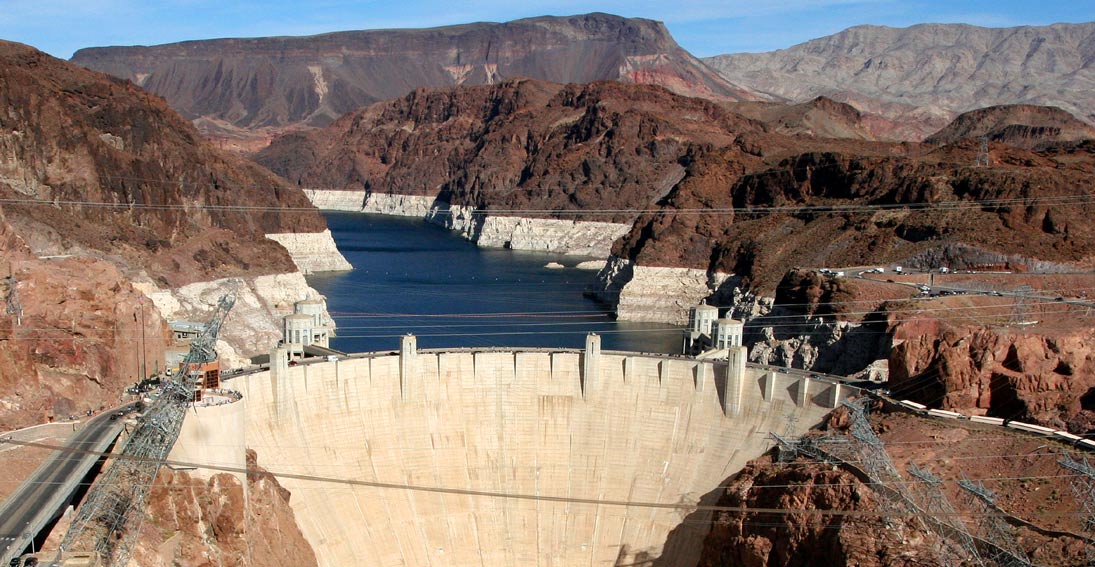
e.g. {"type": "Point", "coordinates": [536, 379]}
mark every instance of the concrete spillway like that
{"type": "Point", "coordinates": [571, 424]}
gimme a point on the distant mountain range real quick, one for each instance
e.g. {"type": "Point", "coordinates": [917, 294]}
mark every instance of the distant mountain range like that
{"type": "Point", "coordinates": [924, 75]}
{"type": "Point", "coordinates": [274, 82]}
{"type": "Point", "coordinates": [907, 83]}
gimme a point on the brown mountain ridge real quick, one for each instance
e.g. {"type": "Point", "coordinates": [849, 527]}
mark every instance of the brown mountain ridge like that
{"type": "Point", "coordinates": [102, 184]}
{"type": "Point", "coordinates": [275, 82]}
{"type": "Point", "coordinates": [1019, 125]}
{"type": "Point", "coordinates": [617, 147]}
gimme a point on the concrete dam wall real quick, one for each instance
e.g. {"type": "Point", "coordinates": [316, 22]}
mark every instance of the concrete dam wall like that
{"type": "Point", "coordinates": [565, 424]}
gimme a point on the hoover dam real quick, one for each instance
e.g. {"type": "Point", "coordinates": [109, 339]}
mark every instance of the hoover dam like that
{"type": "Point", "coordinates": [551, 457]}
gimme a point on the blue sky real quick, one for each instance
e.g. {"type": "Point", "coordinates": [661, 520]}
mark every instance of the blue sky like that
{"type": "Point", "coordinates": [704, 27]}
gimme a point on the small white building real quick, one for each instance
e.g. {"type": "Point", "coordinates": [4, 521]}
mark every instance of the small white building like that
{"type": "Point", "coordinates": [728, 333]}
{"type": "Point", "coordinates": [701, 319]}
{"type": "Point", "coordinates": [306, 326]}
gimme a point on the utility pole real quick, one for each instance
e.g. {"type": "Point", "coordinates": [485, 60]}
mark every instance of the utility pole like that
{"type": "Point", "coordinates": [983, 152]}
{"type": "Point", "coordinates": [144, 351]}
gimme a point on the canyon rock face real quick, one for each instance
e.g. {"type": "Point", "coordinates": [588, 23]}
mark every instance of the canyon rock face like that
{"type": "Point", "coordinates": [74, 332]}
{"type": "Point", "coordinates": [520, 145]}
{"type": "Point", "coordinates": [703, 188]}
{"type": "Point", "coordinates": [861, 526]}
{"type": "Point", "coordinates": [1018, 125]}
{"type": "Point", "coordinates": [782, 540]}
{"type": "Point", "coordinates": [231, 84]}
{"type": "Point", "coordinates": [108, 192]}
{"type": "Point", "coordinates": [922, 76]}
{"type": "Point", "coordinates": [1042, 373]}
{"type": "Point", "coordinates": [840, 209]}
{"type": "Point", "coordinates": [113, 170]}
{"type": "Point", "coordinates": [221, 522]}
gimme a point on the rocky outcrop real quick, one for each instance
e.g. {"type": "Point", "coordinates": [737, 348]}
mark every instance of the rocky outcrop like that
{"type": "Point", "coordinates": [824, 322]}
{"type": "Point", "coordinates": [806, 216]}
{"type": "Point", "coordinates": [258, 83]}
{"type": "Point", "coordinates": [398, 205]}
{"type": "Point", "coordinates": [1043, 373]}
{"type": "Point", "coordinates": [645, 293]}
{"type": "Point", "coordinates": [100, 166]}
{"type": "Point", "coordinates": [1020, 125]}
{"type": "Point", "coordinates": [104, 186]}
{"type": "Point", "coordinates": [516, 146]}
{"type": "Point", "coordinates": [324, 200]}
{"type": "Point", "coordinates": [312, 251]}
{"type": "Point", "coordinates": [194, 521]}
{"type": "Point", "coordinates": [806, 512]}
{"type": "Point", "coordinates": [922, 76]}
{"type": "Point", "coordinates": [581, 238]}
{"type": "Point", "coordinates": [73, 335]}
{"type": "Point", "coordinates": [821, 117]}
{"type": "Point", "coordinates": [253, 326]}
{"type": "Point", "coordinates": [782, 540]}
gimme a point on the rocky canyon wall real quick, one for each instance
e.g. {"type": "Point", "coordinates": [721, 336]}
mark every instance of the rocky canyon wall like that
{"type": "Point", "coordinates": [646, 293]}
{"type": "Point", "coordinates": [312, 251]}
{"type": "Point", "coordinates": [254, 324]}
{"type": "Point", "coordinates": [579, 238]}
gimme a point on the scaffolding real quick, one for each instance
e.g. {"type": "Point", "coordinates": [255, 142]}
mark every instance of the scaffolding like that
{"type": "Point", "coordinates": [1003, 549]}
{"type": "Point", "coordinates": [1083, 489]}
{"type": "Point", "coordinates": [864, 451]}
{"type": "Point", "coordinates": [111, 518]}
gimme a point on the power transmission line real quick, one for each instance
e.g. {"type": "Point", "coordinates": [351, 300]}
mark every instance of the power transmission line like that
{"type": "Point", "coordinates": [499, 494]}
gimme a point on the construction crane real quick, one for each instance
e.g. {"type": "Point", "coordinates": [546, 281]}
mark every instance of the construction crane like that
{"type": "Point", "coordinates": [111, 518]}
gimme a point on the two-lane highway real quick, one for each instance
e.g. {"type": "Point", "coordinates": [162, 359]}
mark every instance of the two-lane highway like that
{"type": "Point", "coordinates": [44, 495]}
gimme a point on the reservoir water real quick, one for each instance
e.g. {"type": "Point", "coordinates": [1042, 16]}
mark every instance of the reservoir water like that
{"type": "Point", "coordinates": [413, 277]}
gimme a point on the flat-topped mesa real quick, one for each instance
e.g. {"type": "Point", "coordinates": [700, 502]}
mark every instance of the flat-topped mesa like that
{"type": "Point", "coordinates": [505, 432]}
{"type": "Point", "coordinates": [311, 81]}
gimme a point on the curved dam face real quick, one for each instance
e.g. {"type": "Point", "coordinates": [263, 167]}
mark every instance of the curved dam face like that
{"type": "Point", "coordinates": [541, 424]}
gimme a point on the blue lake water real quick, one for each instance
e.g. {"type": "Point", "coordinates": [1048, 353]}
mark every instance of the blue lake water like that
{"type": "Point", "coordinates": [412, 277]}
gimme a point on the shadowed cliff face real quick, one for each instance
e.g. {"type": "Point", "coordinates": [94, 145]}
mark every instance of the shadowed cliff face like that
{"type": "Point", "coordinates": [517, 145]}
{"type": "Point", "coordinates": [762, 246]}
{"type": "Point", "coordinates": [282, 81]}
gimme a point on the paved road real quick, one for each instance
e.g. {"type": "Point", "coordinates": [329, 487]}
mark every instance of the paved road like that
{"type": "Point", "coordinates": [44, 495]}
